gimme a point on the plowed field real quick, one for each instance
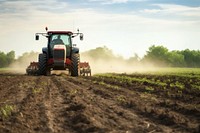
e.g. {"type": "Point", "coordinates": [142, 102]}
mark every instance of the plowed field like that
{"type": "Point", "coordinates": [104, 103]}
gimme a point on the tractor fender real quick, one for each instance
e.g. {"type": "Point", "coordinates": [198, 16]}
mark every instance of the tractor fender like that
{"type": "Point", "coordinates": [45, 50]}
{"type": "Point", "coordinates": [75, 50]}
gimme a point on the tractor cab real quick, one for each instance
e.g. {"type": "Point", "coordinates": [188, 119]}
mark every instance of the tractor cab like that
{"type": "Point", "coordinates": [59, 38]}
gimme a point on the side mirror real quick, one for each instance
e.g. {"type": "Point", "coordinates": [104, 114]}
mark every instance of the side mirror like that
{"type": "Point", "coordinates": [36, 37]}
{"type": "Point", "coordinates": [81, 36]}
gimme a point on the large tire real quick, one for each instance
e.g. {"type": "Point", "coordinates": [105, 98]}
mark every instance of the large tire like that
{"type": "Point", "coordinates": [42, 65]}
{"type": "Point", "coordinates": [75, 65]}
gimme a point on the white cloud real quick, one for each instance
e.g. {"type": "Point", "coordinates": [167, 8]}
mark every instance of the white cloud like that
{"type": "Point", "coordinates": [116, 1]}
{"type": "Point", "coordinates": [174, 10]}
{"type": "Point", "coordinates": [24, 7]}
{"type": "Point", "coordinates": [124, 33]}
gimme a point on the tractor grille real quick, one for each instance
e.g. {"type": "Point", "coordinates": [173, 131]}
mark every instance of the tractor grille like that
{"type": "Point", "coordinates": [59, 54]}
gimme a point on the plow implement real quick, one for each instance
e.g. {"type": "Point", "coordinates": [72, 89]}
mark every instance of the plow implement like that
{"type": "Point", "coordinates": [32, 69]}
{"type": "Point", "coordinates": [85, 69]}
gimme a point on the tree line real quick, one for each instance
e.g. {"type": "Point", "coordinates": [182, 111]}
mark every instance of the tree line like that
{"type": "Point", "coordinates": [156, 55]}
{"type": "Point", "coordinates": [161, 56]}
{"type": "Point", "coordinates": [6, 58]}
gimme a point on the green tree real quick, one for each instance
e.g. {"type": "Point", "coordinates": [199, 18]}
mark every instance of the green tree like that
{"type": "Point", "coordinates": [6, 59]}
{"type": "Point", "coordinates": [157, 55]}
{"type": "Point", "coordinates": [10, 57]}
{"type": "Point", "coordinates": [176, 59]}
{"type": "Point", "coordinates": [191, 57]}
{"type": "Point", "coordinates": [3, 61]}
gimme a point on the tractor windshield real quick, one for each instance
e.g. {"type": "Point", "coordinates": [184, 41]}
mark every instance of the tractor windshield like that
{"type": "Point", "coordinates": [60, 39]}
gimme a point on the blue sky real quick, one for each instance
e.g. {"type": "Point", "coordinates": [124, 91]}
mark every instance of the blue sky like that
{"type": "Point", "coordinates": [125, 26]}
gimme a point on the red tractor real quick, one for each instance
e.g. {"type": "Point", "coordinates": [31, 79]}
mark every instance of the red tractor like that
{"type": "Point", "coordinates": [59, 54]}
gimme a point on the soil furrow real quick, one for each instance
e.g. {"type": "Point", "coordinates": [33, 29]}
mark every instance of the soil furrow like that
{"type": "Point", "coordinates": [152, 110]}
{"type": "Point", "coordinates": [113, 107]}
{"type": "Point", "coordinates": [91, 104]}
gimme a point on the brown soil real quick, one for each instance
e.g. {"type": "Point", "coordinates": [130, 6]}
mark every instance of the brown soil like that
{"type": "Point", "coordinates": [84, 104]}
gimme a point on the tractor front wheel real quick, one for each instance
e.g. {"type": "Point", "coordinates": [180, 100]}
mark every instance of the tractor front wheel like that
{"type": "Point", "coordinates": [75, 65]}
{"type": "Point", "coordinates": [42, 65]}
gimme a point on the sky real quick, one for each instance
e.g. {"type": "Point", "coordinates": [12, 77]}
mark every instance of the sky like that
{"type": "Point", "coordinates": [125, 26]}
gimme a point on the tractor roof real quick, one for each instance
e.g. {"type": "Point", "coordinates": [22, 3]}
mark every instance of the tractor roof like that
{"type": "Point", "coordinates": [60, 32]}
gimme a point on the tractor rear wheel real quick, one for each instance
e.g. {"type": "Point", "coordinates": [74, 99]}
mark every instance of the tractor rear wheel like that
{"type": "Point", "coordinates": [42, 65]}
{"type": "Point", "coordinates": [75, 65]}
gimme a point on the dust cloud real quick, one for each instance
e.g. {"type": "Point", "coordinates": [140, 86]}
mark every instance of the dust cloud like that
{"type": "Point", "coordinates": [116, 66]}
{"type": "Point", "coordinates": [101, 60]}
{"type": "Point", "coordinates": [20, 64]}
